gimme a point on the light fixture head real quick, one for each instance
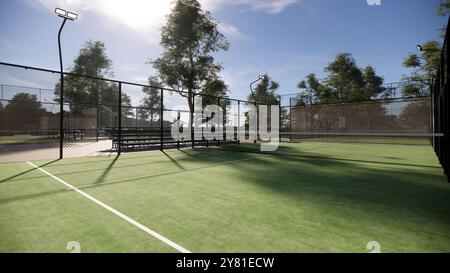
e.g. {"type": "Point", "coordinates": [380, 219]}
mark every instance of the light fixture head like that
{"type": "Point", "coordinates": [72, 15]}
{"type": "Point", "coordinates": [419, 48]}
{"type": "Point", "coordinates": [60, 12]}
{"type": "Point", "coordinates": [262, 77]}
{"type": "Point", "coordinates": [66, 14]}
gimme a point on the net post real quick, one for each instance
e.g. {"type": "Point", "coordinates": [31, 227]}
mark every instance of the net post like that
{"type": "Point", "coordinates": [119, 147]}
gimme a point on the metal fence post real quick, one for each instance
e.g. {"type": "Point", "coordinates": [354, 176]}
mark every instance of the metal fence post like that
{"type": "Point", "coordinates": [178, 118]}
{"type": "Point", "coordinates": [136, 119]}
{"type": "Point", "coordinates": [97, 114]}
{"type": "Point", "coordinates": [279, 118]}
{"type": "Point", "coordinates": [216, 127]}
{"type": "Point", "coordinates": [161, 121]}
{"type": "Point", "coordinates": [120, 120]}
{"type": "Point", "coordinates": [61, 117]}
{"type": "Point", "coordinates": [239, 123]}
{"type": "Point", "coordinates": [192, 121]}
{"type": "Point", "coordinates": [290, 119]}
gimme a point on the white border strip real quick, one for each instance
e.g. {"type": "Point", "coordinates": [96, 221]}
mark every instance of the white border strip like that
{"type": "Point", "coordinates": [116, 212]}
{"type": "Point", "coordinates": [371, 134]}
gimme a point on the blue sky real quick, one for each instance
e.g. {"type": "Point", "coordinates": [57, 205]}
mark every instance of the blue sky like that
{"type": "Point", "coordinates": [285, 38]}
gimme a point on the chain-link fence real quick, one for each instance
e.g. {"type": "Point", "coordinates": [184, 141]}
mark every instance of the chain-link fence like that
{"type": "Point", "coordinates": [104, 117]}
{"type": "Point", "coordinates": [397, 121]}
{"type": "Point", "coordinates": [441, 101]}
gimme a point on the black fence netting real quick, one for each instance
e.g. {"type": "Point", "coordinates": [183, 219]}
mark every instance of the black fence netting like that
{"type": "Point", "coordinates": [103, 116]}
{"type": "Point", "coordinates": [399, 121]}
{"type": "Point", "coordinates": [29, 115]}
{"type": "Point", "coordinates": [441, 100]}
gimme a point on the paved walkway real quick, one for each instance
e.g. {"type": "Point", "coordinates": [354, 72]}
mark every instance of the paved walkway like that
{"type": "Point", "coordinates": [40, 151]}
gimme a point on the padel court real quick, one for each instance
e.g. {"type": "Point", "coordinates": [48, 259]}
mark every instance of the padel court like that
{"type": "Point", "coordinates": [305, 197]}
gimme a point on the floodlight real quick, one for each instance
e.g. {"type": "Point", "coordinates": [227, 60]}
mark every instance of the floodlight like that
{"type": "Point", "coordinates": [66, 14]}
{"type": "Point", "coordinates": [72, 16]}
{"type": "Point", "coordinates": [60, 12]}
{"type": "Point", "coordinates": [419, 48]}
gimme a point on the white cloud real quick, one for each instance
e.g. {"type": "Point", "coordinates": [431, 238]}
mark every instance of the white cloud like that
{"type": "Point", "coordinates": [142, 16]}
{"type": "Point", "coordinates": [147, 16]}
{"type": "Point", "coordinates": [269, 6]}
{"type": "Point", "coordinates": [229, 30]}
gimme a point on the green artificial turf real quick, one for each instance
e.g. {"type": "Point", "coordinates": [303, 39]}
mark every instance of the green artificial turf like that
{"type": "Point", "coordinates": [308, 197]}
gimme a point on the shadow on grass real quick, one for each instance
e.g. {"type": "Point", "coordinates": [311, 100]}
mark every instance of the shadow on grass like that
{"type": "Point", "coordinates": [107, 170]}
{"type": "Point", "coordinates": [27, 171]}
{"type": "Point", "coordinates": [394, 193]}
{"type": "Point", "coordinates": [179, 166]}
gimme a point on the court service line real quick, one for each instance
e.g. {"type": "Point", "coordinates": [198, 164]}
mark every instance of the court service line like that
{"type": "Point", "coordinates": [116, 212]}
{"type": "Point", "coordinates": [166, 173]}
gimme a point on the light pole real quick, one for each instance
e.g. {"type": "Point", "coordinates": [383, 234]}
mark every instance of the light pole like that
{"type": "Point", "coordinates": [66, 15]}
{"type": "Point", "coordinates": [260, 77]}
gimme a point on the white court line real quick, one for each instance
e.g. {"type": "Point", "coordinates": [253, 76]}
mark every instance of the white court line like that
{"type": "Point", "coordinates": [165, 173]}
{"type": "Point", "coordinates": [116, 212]}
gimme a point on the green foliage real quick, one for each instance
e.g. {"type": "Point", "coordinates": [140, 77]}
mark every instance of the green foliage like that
{"type": "Point", "coordinates": [309, 88]}
{"type": "Point", "coordinates": [265, 92]}
{"type": "Point", "coordinates": [414, 89]}
{"type": "Point", "coordinates": [443, 8]}
{"type": "Point", "coordinates": [79, 92]}
{"type": "Point", "coordinates": [189, 38]}
{"type": "Point", "coordinates": [412, 61]}
{"type": "Point", "coordinates": [424, 67]}
{"type": "Point", "coordinates": [345, 82]}
{"type": "Point", "coordinates": [426, 64]}
{"type": "Point", "coordinates": [151, 103]}
{"type": "Point", "coordinates": [92, 60]}
{"type": "Point", "coordinates": [214, 88]}
{"type": "Point", "coordinates": [415, 114]}
{"type": "Point", "coordinates": [23, 112]}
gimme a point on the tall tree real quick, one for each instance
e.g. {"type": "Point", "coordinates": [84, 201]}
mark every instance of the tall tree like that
{"type": "Point", "coordinates": [80, 91]}
{"type": "Point", "coordinates": [373, 84]}
{"type": "Point", "coordinates": [424, 67]}
{"type": "Point", "coordinates": [349, 83]}
{"type": "Point", "coordinates": [151, 103]}
{"type": "Point", "coordinates": [310, 90]}
{"type": "Point", "coordinates": [23, 112]}
{"type": "Point", "coordinates": [424, 64]}
{"type": "Point", "coordinates": [345, 82]}
{"type": "Point", "coordinates": [189, 38]}
{"type": "Point", "coordinates": [213, 88]}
